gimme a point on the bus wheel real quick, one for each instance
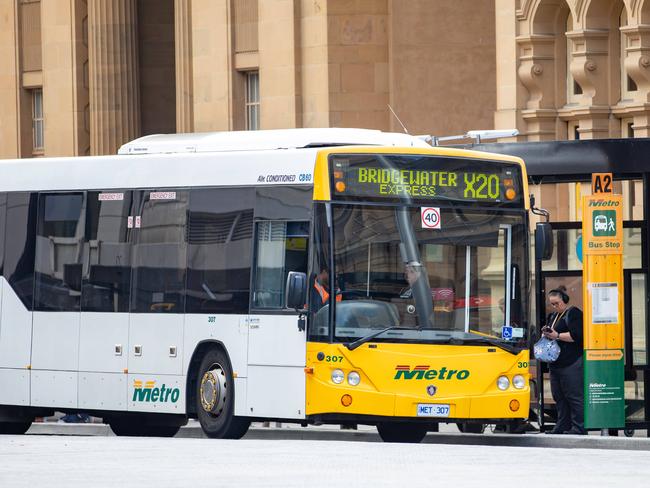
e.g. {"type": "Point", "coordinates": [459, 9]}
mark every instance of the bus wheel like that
{"type": "Point", "coordinates": [136, 428]}
{"type": "Point", "coordinates": [401, 432]}
{"type": "Point", "coordinates": [470, 428]}
{"type": "Point", "coordinates": [14, 428]}
{"type": "Point", "coordinates": [215, 398]}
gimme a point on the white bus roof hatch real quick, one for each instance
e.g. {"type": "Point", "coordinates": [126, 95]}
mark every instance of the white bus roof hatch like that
{"type": "Point", "coordinates": [266, 140]}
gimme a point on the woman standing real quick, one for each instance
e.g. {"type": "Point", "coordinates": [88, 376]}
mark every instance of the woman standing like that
{"type": "Point", "coordinates": [565, 326]}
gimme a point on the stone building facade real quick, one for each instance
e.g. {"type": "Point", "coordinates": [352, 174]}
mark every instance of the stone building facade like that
{"type": "Point", "coordinates": [574, 69]}
{"type": "Point", "coordinates": [84, 76]}
{"type": "Point", "coordinates": [569, 69]}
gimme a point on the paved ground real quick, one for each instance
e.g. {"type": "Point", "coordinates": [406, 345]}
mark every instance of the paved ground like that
{"type": "Point", "coordinates": [448, 434]}
{"type": "Point", "coordinates": [106, 461]}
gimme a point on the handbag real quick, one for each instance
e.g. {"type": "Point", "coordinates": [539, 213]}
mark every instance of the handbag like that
{"type": "Point", "coordinates": [547, 350]}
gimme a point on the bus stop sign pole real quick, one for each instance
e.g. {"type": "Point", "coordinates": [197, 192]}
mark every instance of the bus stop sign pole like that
{"type": "Point", "coordinates": [602, 278]}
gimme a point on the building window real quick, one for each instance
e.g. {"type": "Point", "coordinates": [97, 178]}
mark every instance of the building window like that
{"type": "Point", "coordinates": [628, 85]}
{"type": "Point", "coordinates": [627, 128]}
{"type": "Point", "coordinates": [573, 130]}
{"type": "Point", "coordinates": [252, 102]}
{"type": "Point", "coordinates": [37, 120]}
{"type": "Point", "coordinates": [577, 89]}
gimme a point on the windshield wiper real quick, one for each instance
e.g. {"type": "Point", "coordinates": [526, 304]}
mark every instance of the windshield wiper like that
{"type": "Point", "coordinates": [359, 342]}
{"type": "Point", "coordinates": [456, 341]}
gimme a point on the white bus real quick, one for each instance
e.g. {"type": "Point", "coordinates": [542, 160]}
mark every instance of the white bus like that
{"type": "Point", "coordinates": [153, 286]}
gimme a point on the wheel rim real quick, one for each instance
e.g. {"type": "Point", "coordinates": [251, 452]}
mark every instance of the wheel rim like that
{"type": "Point", "coordinates": [213, 390]}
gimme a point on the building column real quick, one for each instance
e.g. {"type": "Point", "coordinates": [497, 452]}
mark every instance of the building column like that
{"type": "Point", "coordinates": [536, 72]}
{"type": "Point", "coordinates": [595, 125]}
{"type": "Point", "coordinates": [9, 81]}
{"type": "Point", "coordinates": [541, 124]}
{"type": "Point", "coordinates": [63, 100]}
{"type": "Point", "coordinates": [315, 69]}
{"type": "Point", "coordinates": [589, 65]}
{"type": "Point", "coordinates": [113, 72]}
{"type": "Point", "coordinates": [183, 46]}
{"type": "Point", "coordinates": [279, 85]}
{"type": "Point", "coordinates": [510, 90]}
{"type": "Point", "coordinates": [211, 65]}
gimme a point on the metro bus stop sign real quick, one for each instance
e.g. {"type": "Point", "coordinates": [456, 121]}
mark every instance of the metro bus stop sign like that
{"type": "Point", "coordinates": [602, 277]}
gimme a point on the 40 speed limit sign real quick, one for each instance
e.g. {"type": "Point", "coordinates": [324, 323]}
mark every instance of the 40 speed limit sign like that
{"type": "Point", "coordinates": [430, 217]}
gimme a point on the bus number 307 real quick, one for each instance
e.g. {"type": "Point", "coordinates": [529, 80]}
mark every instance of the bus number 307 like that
{"type": "Point", "coordinates": [333, 359]}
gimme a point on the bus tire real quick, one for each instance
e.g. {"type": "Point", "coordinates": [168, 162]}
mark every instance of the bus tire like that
{"type": "Point", "coordinates": [15, 428]}
{"type": "Point", "coordinates": [135, 428]}
{"type": "Point", "coordinates": [401, 432]}
{"type": "Point", "coordinates": [215, 398]}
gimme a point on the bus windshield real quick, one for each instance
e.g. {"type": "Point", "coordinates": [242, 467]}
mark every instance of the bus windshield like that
{"type": "Point", "coordinates": [458, 282]}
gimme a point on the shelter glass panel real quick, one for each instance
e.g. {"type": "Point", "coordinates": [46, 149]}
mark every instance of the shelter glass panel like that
{"type": "Point", "coordinates": [566, 251]}
{"type": "Point", "coordinates": [638, 314]}
{"type": "Point", "coordinates": [632, 248]}
{"type": "Point", "coordinates": [635, 398]}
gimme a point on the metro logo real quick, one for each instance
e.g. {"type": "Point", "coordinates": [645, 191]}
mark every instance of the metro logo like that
{"type": "Point", "coordinates": [149, 393]}
{"type": "Point", "coordinates": [603, 203]}
{"type": "Point", "coordinates": [424, 373]}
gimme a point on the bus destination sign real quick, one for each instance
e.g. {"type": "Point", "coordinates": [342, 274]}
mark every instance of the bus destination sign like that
{"type": "Point", "coordinates": [425, 178]}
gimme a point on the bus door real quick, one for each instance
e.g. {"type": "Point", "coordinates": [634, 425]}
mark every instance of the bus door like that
{"type": "Point", "coordinates": [105, 296]}
{"type": "Point", "coordinates": [59, 242]}
{"type": "Point", "coordinates": [276, 345]}
{"type": "Point", "coordinates": [17, 287]}
{"type": "Point", "coordinates": [156, 321]}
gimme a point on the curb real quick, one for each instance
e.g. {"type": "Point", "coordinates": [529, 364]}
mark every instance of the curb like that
{"type": "Point", "coordinates": [319, 434]}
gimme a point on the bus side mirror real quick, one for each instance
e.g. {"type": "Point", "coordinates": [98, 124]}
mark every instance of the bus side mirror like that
{"type": "Point", "coordinates": [296, 290]}
{"type": "Point", "coordinates": [543, 241]}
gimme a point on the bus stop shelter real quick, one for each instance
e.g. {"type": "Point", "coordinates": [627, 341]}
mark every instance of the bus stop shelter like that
{"type": "Point", "coordinates": [557, 162]}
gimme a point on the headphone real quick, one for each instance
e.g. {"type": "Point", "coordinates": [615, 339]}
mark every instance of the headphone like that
{"type": "Point", "coordinates": [563, 295]}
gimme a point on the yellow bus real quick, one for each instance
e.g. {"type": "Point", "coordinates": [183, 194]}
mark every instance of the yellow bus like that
{"type": "Point", "coordinates": [312, 276]}
{"type": "Point", "coordinates": [449, 346]}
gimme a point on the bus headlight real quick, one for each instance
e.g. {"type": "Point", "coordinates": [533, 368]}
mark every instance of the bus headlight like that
{"type": "Point", "coordinates": [503, 383]}
{"type": "Point", "coordinates": [338, 376]}
{"type": "Point", "coordinates": [354, 378]}
{"type": "Point", "coordinates": [518, 381]}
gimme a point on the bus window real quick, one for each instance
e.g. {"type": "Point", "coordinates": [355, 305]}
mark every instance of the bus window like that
{"type": "Point", "coordinates": [159, 253]}
{"type": "Point", "coordinates": [106, 276]}
{"type": "Point", "coordinates": [3, 209]}
{"type": "Point", "coordinates": [220, 241]}
{"type": "Point", "coordinates": [280, 247]}
{"type": "Point", "coordinates": [59, 243]}
{"type": "Point", "coordinates": [19, 249]}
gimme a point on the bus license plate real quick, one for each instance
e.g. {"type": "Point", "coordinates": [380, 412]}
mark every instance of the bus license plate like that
{"type": "Point", "coordinates": [431, 410]}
